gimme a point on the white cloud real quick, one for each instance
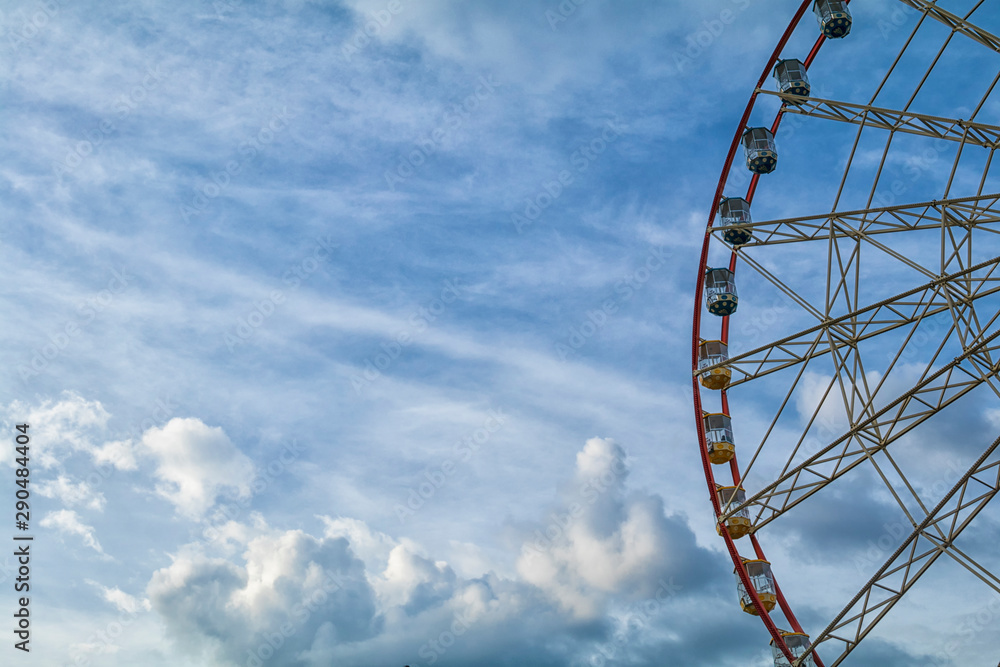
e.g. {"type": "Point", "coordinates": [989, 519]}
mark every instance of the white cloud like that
{"type": "Point", "coordinates": [372, 547]}
{"type": "Point", "coordinates": [284, 578]}
{"type": "Point", "coordinates": [119, 453]}
{"type": "Point", "coordinates": [68, 522]}
{"type": "Point", "coordinates": [195, 463]}
{"type": "Point", "coordinates": [602, 543]}
{"type": "Point", "coordinates": [58, 427]}
{"type": "Point", "coordinates": [122, 601]}
{"type": "Point", "coordinates": [70, 493]}
{"type": "Point", "coordinates": [390, 598]}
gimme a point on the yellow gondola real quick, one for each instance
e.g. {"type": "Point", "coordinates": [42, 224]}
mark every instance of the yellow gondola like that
{"type": "Point", "coordinates": [738, 524]}
{"type": "Point", "coordinates": [711, 353]}
{"type": "Point", "coordinates": [719, 438]}
{"type": "Point", "coordinates": [763, 582]}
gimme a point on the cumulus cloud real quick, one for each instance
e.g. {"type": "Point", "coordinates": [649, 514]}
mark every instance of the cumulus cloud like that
{"type": "Point", "coordinates": [296, 599]}
{"type": "Point", "coordinates": [358, 596]}
{"type": "Point", "coordinates": [118, 453]}
{"type": "Point", "coordinates": [195, 464]}
{"type": "Point", "coordinates": [603, 543]}
{"type": "Point", "coordinates": [289, 585]}
{"type": "Point", "coordinates": [70, 493]}
{"type": "Point", "coordinates": [68, 523]}
{"type": "Point", "coordinates": [372, 547]}
{"type": "Point", "coordinates": [71, 424]}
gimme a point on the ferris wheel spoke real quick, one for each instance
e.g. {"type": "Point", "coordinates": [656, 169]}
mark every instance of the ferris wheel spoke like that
{"type": "Point", "coordinates": [976, 488]}
{"type": "Point", "coordinates": [955, 249]}
{"type": "Point", "coordinates": [924, 400]}
{"type": "Point", "coordinates": [849, 375]}
{"type": "Point", "coordinates": [956, 23]}
{"type": "Point", "coordinates": [782, 287]}
{"type": "Point", "coordinates": [842, 276]}
{"type": "Point", "coordinates": [908, 122]}
{"type": "Point", "coordinates": [932, 298]}
{"type": "Point", "coordinates": [860, 399]}
{"type": "Point", "coordinates": [978, 570]}
{"type": "Point", "coordinates": [979, 212]}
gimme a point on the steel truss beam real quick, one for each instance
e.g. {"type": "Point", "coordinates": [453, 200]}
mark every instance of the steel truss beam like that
{"type": "Point", "coordinates": [875, 433]}
{"type": "Point", "coordinates": [966, 212]}
{"type": "Point", "coordinates": [937, 296]}
{"type": "Point", "coordinates": [956, 23]}
{"type": "Point", "coordinates": [976, 488]}
{"type": "Point", "coordinates": [907, 122]}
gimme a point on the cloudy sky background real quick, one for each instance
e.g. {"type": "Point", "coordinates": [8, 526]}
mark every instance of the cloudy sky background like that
{"type": "Point", "coordinates": [248, 332]}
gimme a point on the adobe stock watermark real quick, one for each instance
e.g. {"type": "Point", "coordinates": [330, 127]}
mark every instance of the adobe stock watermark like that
{"type": "Point", "coordinates": [249, 149]}
{"type": "Point", "coordinates": [265, 308]}
{"type": "Point", "coordinates": [928, 330]}
{"type": "Point", "coordinates": [760, 324]}
{"type": "Point", "coordinates": [419, 322]}
{"type": "Point", "coordinates": [223, 7]}
{"type": "Point", "coordinates": [101, 642]}
{"type": "Point", "coordinates": [433, 649]}
{"type": "Point", "coordinates": [901, 14]}
{"type": "Point", "coordinates": [636, 619]}
{"type": "Point", "coordinates": [739, 176]}
{"type": "Point", "coordinates": [707, 34]}
{"type": "Point", "coordinates": [916, 166]}
{"type": "Point", "coordinates": [454, 118]}
{"type": "Point", "coordinates": [464, 449]}
{"type": "Point", "coordinates": [551, 189]}
{"type": "Point", "coordinates": [104, 469]}
{"type": "Point", "coordinates": [893, 533]}
{"type": "Point", "coordinates": [261, 481]}
{"type": "Point", "coordinates": [87, 312]}
{"type": "Point", "coordinates": [123, 108]}
{"type": "Point", "coordinates": [971, 626]}
{"type": "Point", "coordinates": [376, 22]}
{"type": "Point", "coordinates": [32, 22]}
{"type": "Point", "coordinates": [625, 290]}
{"type": "Point", "coordinates": [301, 612]}
{"type": "Point", "coordinates": [588, 494]}
{"type": "Point", "coordinates": [562, 12]}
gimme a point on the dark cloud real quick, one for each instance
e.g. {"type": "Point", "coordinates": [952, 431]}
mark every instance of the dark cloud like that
{"type": "Point", "coordinates": [618, 565]}
{"type": "Point", "coordinates": [290, 586]}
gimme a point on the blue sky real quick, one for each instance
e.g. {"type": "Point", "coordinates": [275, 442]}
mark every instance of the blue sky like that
{"type": "Point", "coordinates": [374, 350]}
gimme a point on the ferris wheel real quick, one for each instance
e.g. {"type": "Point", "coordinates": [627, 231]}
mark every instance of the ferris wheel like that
{"type": "Point", "coordinates": [843, 371]}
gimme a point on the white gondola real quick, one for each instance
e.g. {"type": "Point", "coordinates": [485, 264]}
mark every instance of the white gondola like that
{"type": "Point", "coordinates": [734, 216]}
{"type": "Point", "coordinates": [761, 151]}
{"type": "Point", "coordinates": [797, 643]}
{"type": "Point", "coordinates": [834, 17]}
{"type": "Point", "coordinates": [792, 77]}
{"type": "Point", "coordinates": [720, 292]}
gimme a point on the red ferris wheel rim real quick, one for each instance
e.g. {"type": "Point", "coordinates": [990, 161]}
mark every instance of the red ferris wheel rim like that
{"type": "Point", "coordinates": [734, 554]}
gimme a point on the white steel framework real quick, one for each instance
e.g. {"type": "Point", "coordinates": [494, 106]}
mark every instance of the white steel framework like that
{"type": "Point", "coordinates": [940, 333]}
